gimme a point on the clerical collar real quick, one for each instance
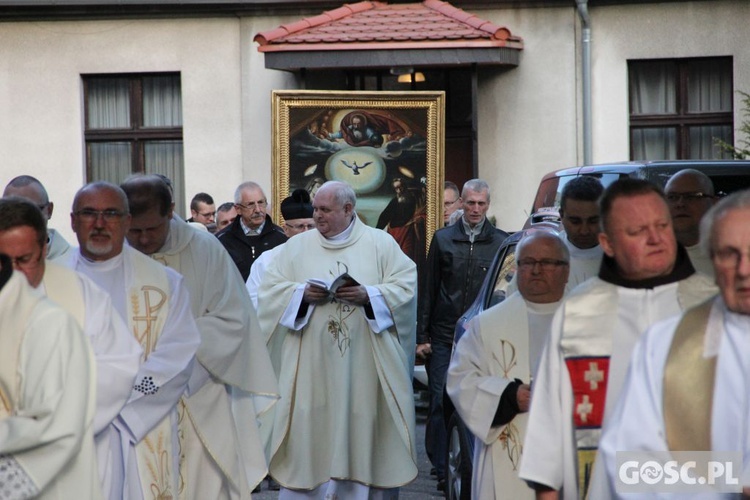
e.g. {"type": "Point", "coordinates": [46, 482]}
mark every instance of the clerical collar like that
{"type": "Point", "coordinates": [548, 308]}
{"type": "Point", "coordinates": [473, 232]}
{"type": "Point", "coordinates": [250, 231]}
{"type": "Point", "coordinates": [682, 269]}
{"type": "Point", "coordinates": [345, 233]}
{"type": "Point", "coordinates": [103, 265]}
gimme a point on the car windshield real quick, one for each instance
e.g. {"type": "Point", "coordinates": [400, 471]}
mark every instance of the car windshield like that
{"type": "Point", "coordinates": [504, 278]}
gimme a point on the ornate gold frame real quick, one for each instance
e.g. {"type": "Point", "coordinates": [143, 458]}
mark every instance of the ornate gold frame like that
{"type": "Point", "coordinates": [429, 107]}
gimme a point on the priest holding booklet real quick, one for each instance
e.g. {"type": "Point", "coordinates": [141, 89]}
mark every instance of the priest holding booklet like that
{"type": "Point", "coordinates": [345, 423]}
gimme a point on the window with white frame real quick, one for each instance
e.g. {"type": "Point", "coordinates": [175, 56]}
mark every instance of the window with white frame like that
{"type": "Point", "coordinates": [678, 107]}
{"type": "Point", "coordinates": [133, 124]}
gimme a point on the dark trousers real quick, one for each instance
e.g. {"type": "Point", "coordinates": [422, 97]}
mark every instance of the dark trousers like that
{"type": "Point", "coordinates": [435, 435]}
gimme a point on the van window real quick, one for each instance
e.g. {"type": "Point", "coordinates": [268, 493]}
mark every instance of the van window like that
{"type": "Point", "coordinates": [550, 190]}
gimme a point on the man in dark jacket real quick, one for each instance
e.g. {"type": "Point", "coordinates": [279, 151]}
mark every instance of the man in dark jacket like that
{"type": "Point", "coordinates": [252, 232]}
{"type": "Point", "coordinates": [459, 258]}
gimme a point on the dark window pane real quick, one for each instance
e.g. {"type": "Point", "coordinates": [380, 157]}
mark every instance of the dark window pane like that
{"type": "Point", "coordinates": [166, 158]}
{"type": "Point", "coordinates": [703, 145]}
{"type": "Point", "coordinates": [653, 89]}
{"type": "Point", "coordinates": [108, 103]}
{"type": "Point", "coordinates": [710, 86]}
{"type": "Point", "coordinates": [162, 101]}
{"type": "Point", "coordinates": [110, 161]}
{"type": "Point", "coordinates": [654, 144]}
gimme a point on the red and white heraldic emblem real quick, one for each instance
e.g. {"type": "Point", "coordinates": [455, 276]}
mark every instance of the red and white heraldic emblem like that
{"type": "Point", "coordinates": [588, 376]}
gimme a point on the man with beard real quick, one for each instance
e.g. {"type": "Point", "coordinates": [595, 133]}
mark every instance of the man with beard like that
{"type": "Point", "coordinates": [154, 302]}
{"type": "Point", "coordinates": [579, 214]}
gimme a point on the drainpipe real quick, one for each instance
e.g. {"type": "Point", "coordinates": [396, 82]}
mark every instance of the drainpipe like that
{"type": "Point", "coordinates": [583, 13]}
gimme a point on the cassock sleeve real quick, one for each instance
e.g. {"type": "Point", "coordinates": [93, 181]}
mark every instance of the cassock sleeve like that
{"type": "Point", "coordinates": [116, 351]}
{"type": "Point", "coordinates": [232, 349]}
{"type": "Point", "coordinates": [163, 377]}
{"type": "Point", "coordinates": [49, 423]}
{"type": "Point", "coordinates": [542, 462]}
{"type": "Point", "coordinates": [474, 390]}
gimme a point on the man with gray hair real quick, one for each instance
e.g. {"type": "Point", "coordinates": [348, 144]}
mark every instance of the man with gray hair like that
{"type": "Point", "coordinates": [460, 256]}
{"type": "Point", "coordinates": [30, 188]}
{"type": "Point", "coordinates": [690, 193]}
{"type": "Point", "coordinates": [344, 427]}
{"type": "Point", "coordinates": [687, 388]}
{"type": "Point", "coordinates": [490, 374]}
{"type": "Point", "coordinates": [252, 232]}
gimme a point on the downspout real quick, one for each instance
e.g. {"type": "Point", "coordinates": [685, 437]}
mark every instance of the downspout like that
{"type": "Point", "coordinates": [583, 13]}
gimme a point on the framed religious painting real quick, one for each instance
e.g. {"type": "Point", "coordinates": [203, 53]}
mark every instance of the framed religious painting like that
{"type": "Point", "coordinates": [388, 146]}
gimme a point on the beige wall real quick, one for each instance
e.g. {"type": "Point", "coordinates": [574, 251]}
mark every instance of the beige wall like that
{"type": "Point", "coordinates": [529, 117]}
{"type": "Point", "coordinates": [41, 96]}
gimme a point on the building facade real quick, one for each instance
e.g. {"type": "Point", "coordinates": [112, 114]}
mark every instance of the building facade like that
{"type": "Point", "coordinates": [90, 91]}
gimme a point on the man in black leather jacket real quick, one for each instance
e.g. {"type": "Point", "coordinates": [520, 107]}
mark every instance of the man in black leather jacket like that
{"type": "Point", "coordinates": [252, 232]}
{"type": "Point", "coordinates": [459, 258]}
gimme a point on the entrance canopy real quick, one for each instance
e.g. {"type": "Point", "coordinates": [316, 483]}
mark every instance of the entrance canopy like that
{"type": "Point", "coordinates": [381, 35]}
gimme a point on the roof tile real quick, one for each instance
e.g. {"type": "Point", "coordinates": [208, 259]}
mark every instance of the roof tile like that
{"type": "Point", "coordinates": [372, 22]}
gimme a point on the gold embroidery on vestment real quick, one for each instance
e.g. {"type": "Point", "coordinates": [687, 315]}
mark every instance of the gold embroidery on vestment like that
{"type": "Point", "coordinates": [145, 337]}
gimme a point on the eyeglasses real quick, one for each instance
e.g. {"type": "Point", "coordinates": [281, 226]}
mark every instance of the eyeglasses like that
{"type": "Point", "coordinates": [252, 205]}
{"type": "Point", "coordinates": [90, 215]}
{"type": "Point", "coordinates": [728, 257]}
{"type": "Point", "coordinates": [26, 261]}
{"type": "Point", "coordinates": [448, 204]}
{"type": "Point", "coordinates": [546, 264]}
{"type": "Point", "coordinates": [299, 227]}
{"type": "Point", "coordinates": [687, 197]}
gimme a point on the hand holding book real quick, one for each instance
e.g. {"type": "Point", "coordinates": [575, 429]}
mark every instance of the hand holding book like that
{"type": "Point", "coordinates": [343, 289]}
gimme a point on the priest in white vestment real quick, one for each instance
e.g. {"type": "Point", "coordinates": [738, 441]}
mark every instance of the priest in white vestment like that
{"type": "Point", "coordinates": [23, 235]}
{"type": "Point", "coordinates": [645, 277]}
{"type": "Point", "coordinates": [143, 440]}
{"type": "Point", "coordinates": [688, 387]}
{"type": "Point", "coordinates": [495, 361]}
{"type": "Point", "coordinates": [344, 426]}
{"type": "Point", "coordinates": [223, 456]}
{"type": "Point", "coordinates": [46, 397]}
{"type": "Point", "coordinates": [690, 194]}
{"type": "Point", "coordinates": [30, 188]}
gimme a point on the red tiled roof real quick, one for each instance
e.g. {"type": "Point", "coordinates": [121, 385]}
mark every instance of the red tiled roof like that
{"type": "Point", "coordinates": [378, 25]}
